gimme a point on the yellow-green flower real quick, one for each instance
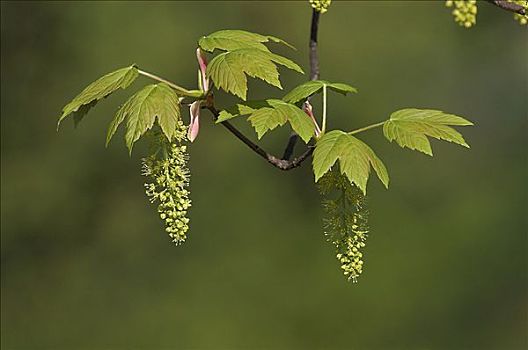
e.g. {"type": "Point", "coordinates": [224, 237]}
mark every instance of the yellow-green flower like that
{"type": "Point", "coordinates": [169, 180]}
{"type": "Point", "coordinates": [320, 5]}
{"type": "Point", "coordinates": [345, 221]}
{"type": "Point", "coordinates": [464, 12]}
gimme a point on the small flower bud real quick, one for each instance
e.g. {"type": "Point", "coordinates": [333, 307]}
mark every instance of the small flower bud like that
{"type": "Point", "coordinates": [320, 5]}
{"type": "Point", "coordinates": [307, 108]}
{"type": "Point", "coordinates": [194, 125]}
{"type": "Point", "coordinates": [202, 63]}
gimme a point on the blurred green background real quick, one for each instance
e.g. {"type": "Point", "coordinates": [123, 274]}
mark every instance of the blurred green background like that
{"type": "Point", "coordinates": [86, 263]}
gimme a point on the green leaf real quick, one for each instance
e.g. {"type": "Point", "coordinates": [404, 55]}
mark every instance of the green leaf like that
{"type": "Point", "coordinates": [268, 114]}
{"type": "Point", "coordinates": [79, 114]}
{"type": "Point", "coordinates": [246, 55]}
{"type": "Point", "coordinates": [228, 75]}
{"type": "Point", "coordinates": [280, 41]}
{"type": "Point", "coordinates": [229, 40]}
{"type": "Point", "coordinates": [97, 90]}
{"type": "Point", "coordinates": [410, 128]}
{"type": "Point", "coordinates": [224, 115]}
{"type": "Point", "coordinates": [355, 158]}
{"type": "Point", "coordinates": [168, 110]}
{"type": "Point", "coordinates": [277, 114]}
{"type": "Point", "coordinates": [228, 70]}
{"type": "Point", "coordinates": [241, 109]}
{"type": "Point", "coordinates": [283, 61]}
{"type": "Point", "coordinates": [309, 88]}
{"type": "Point", "coordinates": [153, 102]}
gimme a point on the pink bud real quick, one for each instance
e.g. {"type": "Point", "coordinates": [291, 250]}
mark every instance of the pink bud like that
{"type": "Point", "coordinates": [202, 62]}
{"type": "Point", "coordinates": [307, 108]}
{"type": "Point", "coordinates": [194, 125]}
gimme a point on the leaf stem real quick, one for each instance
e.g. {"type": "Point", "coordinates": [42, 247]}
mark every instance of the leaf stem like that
{"type": "Point", "coordinates": [323, 128]}
{"type": "Point", "coordinates": [357, 131]}
{"type": "Point", "coordinates": [181, 90]}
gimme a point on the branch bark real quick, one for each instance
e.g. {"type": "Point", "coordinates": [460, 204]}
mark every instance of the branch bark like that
{"type": "Point", "coordinates": [508, 6]}
{"type": "Point", "coordinates": [314, 58]}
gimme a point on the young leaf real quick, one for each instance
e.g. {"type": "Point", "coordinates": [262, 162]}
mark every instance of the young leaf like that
{"type": "Point", "coordinates": [241, 109]}
{"type": "Point", "coordinates": [410, 128]}
{"type": "Point", "coordinates": [228, 75]}
{"type": "Point", "coordinates": [229, 40]}
{"type": "Point", "coordinates": [309, 88]}
{"type": "Point", "coordinates": [153, 102]}
{"type": "Point", "coordinates": [280, 41]}
{"type": "Point", "coordinates": [228, 70]}
{"type": "Point", "coordinates": [355, 158]}
{"type": "Point", "coordinates": [267, 115]}
{"type": "Point", "coordinates": [225, 115]}
{"type": "Point", "coordinates": [97, 90]}
{"type": "Point", "coordinates": [277, 114]}
{"type": "Point", "coordinates": [283, 61]}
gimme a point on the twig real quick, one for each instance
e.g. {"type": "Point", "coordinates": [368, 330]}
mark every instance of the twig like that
{"type": "Point", "coordinates": [314, 58]}
{"type": "Point", "coordinates": [288, 151]}
{"type": "Point", "coordinates": [314, 75]}
{"type": "Point", "coordinates": [509, 6]}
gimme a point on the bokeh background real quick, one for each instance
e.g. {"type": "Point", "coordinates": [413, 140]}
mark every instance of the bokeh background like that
{"type": "Point", "coordinates": [86, 264]}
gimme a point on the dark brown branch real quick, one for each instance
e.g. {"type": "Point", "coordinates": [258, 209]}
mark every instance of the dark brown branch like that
{"type": "Point", "coordinates": [288, 151]}
{"type": "Point", "coordinates": [276, 162]}
{"type": "Point", "coordinates": [314, 75]}
{"type": "Point", "coordinates": [291, 164]}
{"type": "Point", "coordinates": [509, 6]}
{"type": "Point", "coordinates": [314, 59]}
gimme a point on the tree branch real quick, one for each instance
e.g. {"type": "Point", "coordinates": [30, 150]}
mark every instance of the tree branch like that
{"type": "Point", "coordinates": [314, 58]}
{"type": "Point", "coordinates": [314, 75]}
{"type": "Point", "coordinates": [281, 164]}
{"type": "Point", "coordinates": [288, 151]}
{"type": "Point", "coordinates": [508, 6]}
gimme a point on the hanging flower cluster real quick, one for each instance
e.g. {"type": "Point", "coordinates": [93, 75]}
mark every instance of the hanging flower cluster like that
{"type": "Point", "coordinates": [464, 12]}
{"type": "Point", "coordinates": [321, 5]}
{"type": "Point", "coordinates": [169, 175]}
{"type": "Point", "coordinates": [345, 221]}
